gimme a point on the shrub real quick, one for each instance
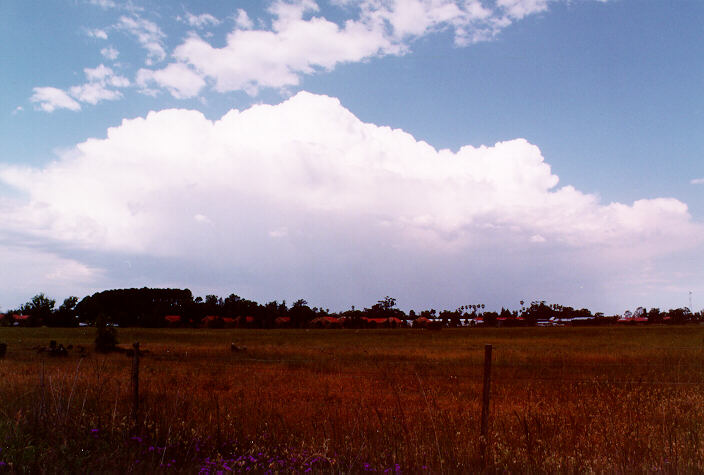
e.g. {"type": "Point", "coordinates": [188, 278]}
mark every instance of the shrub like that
{"type": "Point", "coordinates": [106, 335]}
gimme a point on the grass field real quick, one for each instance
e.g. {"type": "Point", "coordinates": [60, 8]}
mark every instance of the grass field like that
{"type": "Point", "coordinates": [616, 399]}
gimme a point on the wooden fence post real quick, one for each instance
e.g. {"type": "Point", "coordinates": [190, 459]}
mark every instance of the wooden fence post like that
{"type": "Point", "coordinates": [135, 384]}
{"type": "Point", "coordinates": [484, 436]}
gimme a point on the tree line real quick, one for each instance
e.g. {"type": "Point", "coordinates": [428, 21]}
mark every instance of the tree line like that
{"type": "Point", "coordinates": [147, 307]}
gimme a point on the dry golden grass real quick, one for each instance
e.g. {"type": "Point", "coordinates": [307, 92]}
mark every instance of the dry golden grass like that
{"type": "Point", "coordinates": [566, 399]}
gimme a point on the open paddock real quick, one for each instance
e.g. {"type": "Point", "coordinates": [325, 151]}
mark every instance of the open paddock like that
{"type": "Point", "coordinates": [562, 399]}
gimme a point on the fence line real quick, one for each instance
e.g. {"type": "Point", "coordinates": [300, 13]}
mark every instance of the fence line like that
{"type": "Point", "coordinates": [480, 364]}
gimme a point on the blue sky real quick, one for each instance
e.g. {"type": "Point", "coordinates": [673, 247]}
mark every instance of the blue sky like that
{"type": "Point", "coordinates": [354, 183]}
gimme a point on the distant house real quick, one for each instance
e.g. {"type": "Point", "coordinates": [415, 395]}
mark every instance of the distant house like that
{"type": "Point", "coordinates": [633, 320]}
{"type": "Point", "coordinates": [390, 322]}
{"type": "Point", "coordinates": [211, 321]}
{"type": "Point", "coordinates": [576, 321]}
{"type": "Point", "coordinates": [548, 322]}
{"type": "Point", "coordinates": [394, 322]}
{"type": "Point", "coordinates": [172, 319]}
{"type": "Point", "coordinates": [244, 321]}
{"type": "Point", "coordinates": [283, 322]}
{"type": "Point", "coordinates": [504, 321]}
{"type": "Point", "coordinates": [326, 322]}
{"type": "Point", "coordinates": [421, 322]}
{"type": "Point", "coordinates": [19, 320]}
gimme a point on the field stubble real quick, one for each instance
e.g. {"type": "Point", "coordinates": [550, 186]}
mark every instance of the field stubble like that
{"type": "Point", "coordinates": [570, 400]}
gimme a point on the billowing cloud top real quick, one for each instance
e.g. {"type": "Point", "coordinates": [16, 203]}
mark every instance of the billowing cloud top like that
{"type": "Point", "coordinates": [295, 194]}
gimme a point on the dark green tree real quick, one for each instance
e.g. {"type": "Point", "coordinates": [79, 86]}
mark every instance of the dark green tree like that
{"type": "Point", "coordinates": [39, 309]}
{"type": "Point", "coordinates": [65, 316]}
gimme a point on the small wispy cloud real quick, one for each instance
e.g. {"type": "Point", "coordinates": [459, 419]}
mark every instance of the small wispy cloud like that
{"type": "Point", "coordinates": [280, 55]}
{"type": "Point", "coordinates": [97, 33]}
{"type": "Point", "coordinates": [697, 181]}
{"type": "Point", "coordinates": [180, 80]}
{"type": "Point", "coordinates": [103, 3]}
{"type": "Point", "coordinates": [100, 86]}
{"type": "Point", "coordinates": [49, 99]}
{"type": "Point", "coordinates": [199, 21]}
{"type": "Point", "coordinates": [110, 53]}
{"type": "Point", "coordinates": [147, 33]}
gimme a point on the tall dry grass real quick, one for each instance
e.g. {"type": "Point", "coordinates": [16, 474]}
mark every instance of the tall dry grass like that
{"type": "Point", "coordinates": [568, 400]}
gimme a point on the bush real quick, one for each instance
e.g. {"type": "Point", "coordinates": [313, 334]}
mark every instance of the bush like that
{"type": "Point", "coordinates": [105, 337]}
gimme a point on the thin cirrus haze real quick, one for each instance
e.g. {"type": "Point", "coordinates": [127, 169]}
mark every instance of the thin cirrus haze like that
{"type": "Point", "coordinates": [340, 151]}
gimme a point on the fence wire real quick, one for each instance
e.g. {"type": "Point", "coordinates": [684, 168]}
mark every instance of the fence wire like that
{"type": "Point", "coordinates": [502, 372]}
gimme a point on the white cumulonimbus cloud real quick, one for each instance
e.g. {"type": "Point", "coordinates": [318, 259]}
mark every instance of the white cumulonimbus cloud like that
{"type": "Point", "coordinates": [302, 198]}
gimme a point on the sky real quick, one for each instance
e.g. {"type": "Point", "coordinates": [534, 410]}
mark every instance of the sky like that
{"type": "Point", "coordinates": [442, 152]}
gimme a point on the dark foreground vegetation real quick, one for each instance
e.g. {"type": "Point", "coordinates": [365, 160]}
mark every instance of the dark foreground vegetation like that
{"type": "Point", "coordinates": [158, 308]}
{"type": "Point", "coordinates": [591, 399]}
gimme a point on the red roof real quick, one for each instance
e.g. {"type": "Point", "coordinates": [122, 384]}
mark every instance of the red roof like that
{"type": "Point", "coordinates": [384, 320]}
{"type": "Point", "coordinates": [228, 320]}
{"type": "Point", "coordinates": [20, 317]}
{"type": "Point", "coordinates": [210, 318]}
{"type": "Point", "coordinates": [172, 318]}
{"type": "Point", "coordinates": [283, 320]}
{"type": "Point", "coordinates": [326, 320]}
